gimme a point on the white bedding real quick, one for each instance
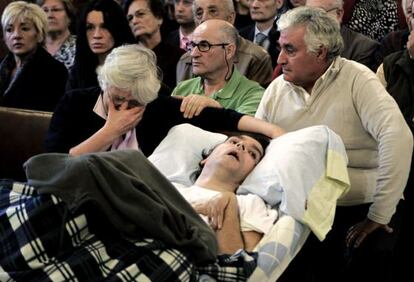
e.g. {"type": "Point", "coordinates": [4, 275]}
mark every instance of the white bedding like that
{"type": "Point", "coordinates": [299, 169]}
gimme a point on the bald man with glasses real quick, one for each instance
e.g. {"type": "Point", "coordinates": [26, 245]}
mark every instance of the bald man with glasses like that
{"type": "Point", "coordinates": [218, 83]}
{"type": "Point", "coordinates": [251, 60]}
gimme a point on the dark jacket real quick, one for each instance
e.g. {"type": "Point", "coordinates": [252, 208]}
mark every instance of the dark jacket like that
{"type": "Point", "coordinates": [75, 121]}
{"type": "Point", "coordinates": [399, 74]}
{"type": "Point", "coordinates": [273, 50]}
{"type": "Point", "coordinates": [124, 188]}
{"type": "Point", "coordinates": [359, 47]}
{"type": "Point", "coordinates": [167, 59]}
{"type": "Point", "coordinates": [173, 38]}
{"type": "Point", "coordinates": [38, 84]}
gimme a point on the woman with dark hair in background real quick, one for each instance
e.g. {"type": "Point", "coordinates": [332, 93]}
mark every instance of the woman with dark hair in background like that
{"type": "Point", "coordinates": [102, 27]}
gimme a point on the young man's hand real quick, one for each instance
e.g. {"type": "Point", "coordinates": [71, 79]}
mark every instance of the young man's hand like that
{"type": "Point", "coordinates": [215, 209]}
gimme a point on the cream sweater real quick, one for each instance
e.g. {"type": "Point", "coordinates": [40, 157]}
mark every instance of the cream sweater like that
{"type": "Point", "coordinates": [350, 100]}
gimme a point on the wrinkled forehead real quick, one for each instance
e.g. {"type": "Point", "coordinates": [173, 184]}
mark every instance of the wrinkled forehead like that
{"type": "Point", "coordinates": [292, 35]}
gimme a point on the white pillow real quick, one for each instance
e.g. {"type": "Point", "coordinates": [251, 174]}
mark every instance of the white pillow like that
{"type": "Point", "coordinates": [305, 171]}
{"type": "Point", "coordinates": [179, 154]}
{"type": "Point", "coordinates": [293, 172]}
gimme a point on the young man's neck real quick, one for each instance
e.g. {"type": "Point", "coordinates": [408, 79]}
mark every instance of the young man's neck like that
{"type": "Point", "coordinates": [214, 183]}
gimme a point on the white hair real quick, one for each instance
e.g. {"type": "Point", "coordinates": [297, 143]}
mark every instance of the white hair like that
{"type": "Point", "coordinates": [134, 68]}
{"type": "Point", "coordinates": [321, 29]}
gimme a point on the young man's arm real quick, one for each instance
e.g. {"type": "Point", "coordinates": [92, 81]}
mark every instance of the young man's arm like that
{"type": "Point", "coordinates": [223, 214]}
{"type": "Point", "coordinates": [229, 236]}
{"type": "Point", "coordinates": [251, 239]}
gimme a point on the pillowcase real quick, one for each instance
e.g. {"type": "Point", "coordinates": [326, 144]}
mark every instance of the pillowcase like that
{"type": "Point", "coordinates": [305, 172]}
{"type": "Point", "coordinates": [179, 154]}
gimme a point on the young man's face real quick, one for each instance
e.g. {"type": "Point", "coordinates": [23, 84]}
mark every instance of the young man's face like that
{"type": "Point", "coordinates": [237, 157]}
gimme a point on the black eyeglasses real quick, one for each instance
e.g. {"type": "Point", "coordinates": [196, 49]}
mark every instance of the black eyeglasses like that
{"type": "Point", "coordinates": [203, 45]}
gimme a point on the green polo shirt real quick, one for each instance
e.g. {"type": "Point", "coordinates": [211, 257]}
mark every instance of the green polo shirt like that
{"type": "Point", "coordinates": [239, 94]}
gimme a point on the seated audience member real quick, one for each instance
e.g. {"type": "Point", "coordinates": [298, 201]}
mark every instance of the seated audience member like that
{"type": "Point", "coordinates": [357, 46]}
{"type": "Point", "coordinates": [184, 17]}
{"type": "Point", "coordinates": [243, 18]}
{"type": "Point", "coordinates": [318, 87]}
{"type": "Point", "coordinates": [60, 43]}
{"type": "Point", "coordinates": [251, 60]}
{"type": "Point", "coordinates": [263, 31]}
{"type": "Point", "coordinates": [213, 194]}
{"type": "Point", "coordinates": [102, 26]}
{"type": "Point", "coordinates": [218, 83]}
{"type": "Point", "coordinates": [30, 77]}
{"type": "Point", "coordinates": [145, 18]}
{"type": "Point", "coordinates": [397, 40]}
{"type": "Point", "coordinates": [126, 113]}
{"type": "Point", "coordinates": [397, 76]}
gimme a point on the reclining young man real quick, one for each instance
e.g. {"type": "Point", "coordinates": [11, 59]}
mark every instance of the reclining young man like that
{"type": "Point", "coordinates": [128, 193]}
{"type": "Point", "coordinates": [239, 221]}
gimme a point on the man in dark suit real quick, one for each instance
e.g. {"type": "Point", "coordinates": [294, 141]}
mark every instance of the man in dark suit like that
{"type": "Point", "coordinates": [264, 31]}
{"type": "Point", "coordinates": [184, 17]}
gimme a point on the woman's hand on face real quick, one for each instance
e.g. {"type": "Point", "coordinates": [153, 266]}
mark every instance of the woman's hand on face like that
{"type": "Point", "coordinates": [121, 120]}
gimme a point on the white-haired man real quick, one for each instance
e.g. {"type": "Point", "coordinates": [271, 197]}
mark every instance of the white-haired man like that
{"type": "Point", "coordinates": [320, 87]}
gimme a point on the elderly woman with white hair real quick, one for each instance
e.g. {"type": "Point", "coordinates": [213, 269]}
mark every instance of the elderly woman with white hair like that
{"type": "Point", "coordinates": [126, 112]}
{"type": "Point", "coordinates": [29, 76]}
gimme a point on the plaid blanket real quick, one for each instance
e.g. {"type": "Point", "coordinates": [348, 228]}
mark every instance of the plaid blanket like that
{"type": "Point", "coordinates": [40, 240]}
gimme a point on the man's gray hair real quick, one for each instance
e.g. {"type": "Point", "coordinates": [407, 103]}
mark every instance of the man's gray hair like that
{"type": "Point", "coordinates": [23, 11]}
{"type": "Point", "coordinates": [131, 67]}
{"type": "Point", "coordinates": [230, 33]}
{"type": "Point", "coordinates": [228, 5]}
{"type": "Point", "coordinates": [322, 30]}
